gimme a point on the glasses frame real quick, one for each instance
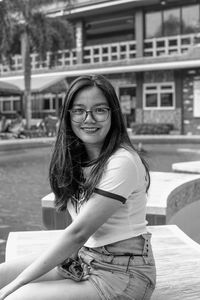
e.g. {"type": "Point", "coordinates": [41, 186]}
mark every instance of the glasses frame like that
{"type": "Point", "coordinates": [87, 113]}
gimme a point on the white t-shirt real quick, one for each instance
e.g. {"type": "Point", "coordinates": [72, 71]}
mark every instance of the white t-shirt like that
{"type": "Point", "coordinates": [125, 180]}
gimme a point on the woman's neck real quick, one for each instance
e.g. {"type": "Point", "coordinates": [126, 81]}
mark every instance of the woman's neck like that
{"type": "Point", "coordinates": [93, 151]}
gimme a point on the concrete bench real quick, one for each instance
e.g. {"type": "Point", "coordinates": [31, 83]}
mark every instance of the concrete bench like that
{"type": "Point", "coordinates": [187, 167]}
{"type": "Point", "coordinates": [169, 194]}
{"type": "Point", "coordinates": [177, 258]}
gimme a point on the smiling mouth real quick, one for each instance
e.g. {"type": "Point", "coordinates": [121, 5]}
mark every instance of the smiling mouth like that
{"type": "Point", "coordinates": [90, 129]}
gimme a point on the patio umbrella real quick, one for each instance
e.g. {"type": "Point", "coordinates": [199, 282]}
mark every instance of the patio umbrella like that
{"type": "Point", "coordinates": [8, 89]}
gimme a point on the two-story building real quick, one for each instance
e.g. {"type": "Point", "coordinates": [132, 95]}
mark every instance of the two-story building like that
{"type": "Point", "coordinates": [149, 49]}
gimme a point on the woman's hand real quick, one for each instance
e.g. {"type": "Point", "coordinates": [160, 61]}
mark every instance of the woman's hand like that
{"type": "Point", "coordinates": [9, 289]}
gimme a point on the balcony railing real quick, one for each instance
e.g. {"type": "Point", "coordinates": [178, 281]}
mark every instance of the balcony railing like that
{"type": "Point", "coordinates": [91, 54]}
{"type": "Point", "coordinates": [167, 46]}
{"type": "Point", "coordinates": [108, 53]}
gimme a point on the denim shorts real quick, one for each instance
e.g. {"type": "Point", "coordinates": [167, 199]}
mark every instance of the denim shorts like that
{"type": "Point", "coordinates": [124, 270]}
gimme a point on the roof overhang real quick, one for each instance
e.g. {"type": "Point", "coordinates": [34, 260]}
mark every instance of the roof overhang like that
{"type": "Point", "coordinates": [40, 83]}
{"type": "Point", "coordinates": [8, 89]}
{"type": "Point", "coordinates": [89, 8]}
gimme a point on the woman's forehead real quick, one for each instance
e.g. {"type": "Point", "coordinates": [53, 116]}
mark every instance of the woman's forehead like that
{"type": "Point", "coordinates": [90, 95]}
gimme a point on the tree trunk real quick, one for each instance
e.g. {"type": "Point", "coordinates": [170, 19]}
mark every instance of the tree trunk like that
{"type": "Point", "coordinates": [27, 71]}
{"type": "Point", "coordinates": [27, 80]}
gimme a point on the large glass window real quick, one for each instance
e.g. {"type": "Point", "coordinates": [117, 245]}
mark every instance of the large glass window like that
{"type": "Point", "coordinates": [153, 24]}
{"type": "Point", "coordinates": [171, 22]}
{"type": "Point", "coordinates": [159, 95]}
{"type": "Point", "coordinates": [190, 19]}
{"type": "Point", "coordinates": [110, 29]}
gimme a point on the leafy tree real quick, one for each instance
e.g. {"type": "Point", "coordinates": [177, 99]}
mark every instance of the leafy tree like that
{"type": "Point", "coordinates": [25, 29]}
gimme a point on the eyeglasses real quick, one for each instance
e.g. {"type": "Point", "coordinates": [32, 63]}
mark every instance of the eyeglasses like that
{"type": "Point", "coordinates": [99, 114]}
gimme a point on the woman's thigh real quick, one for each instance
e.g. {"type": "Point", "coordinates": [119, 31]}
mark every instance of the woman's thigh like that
{"type": "Point", "coordinates": [56, 290]}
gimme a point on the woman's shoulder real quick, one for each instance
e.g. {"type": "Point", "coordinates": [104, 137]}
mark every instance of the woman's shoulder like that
{"type": "Point", "coordinates": [125, 155]}
{"type": "Point", "coordinates": [125, 152]}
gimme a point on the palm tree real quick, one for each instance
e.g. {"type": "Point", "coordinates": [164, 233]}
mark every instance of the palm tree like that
{"type": "Point", "coordinates": [24, 27]}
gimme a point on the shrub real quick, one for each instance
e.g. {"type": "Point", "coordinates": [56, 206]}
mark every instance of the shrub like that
{"type": "Point", "coordinates": [151, 128]}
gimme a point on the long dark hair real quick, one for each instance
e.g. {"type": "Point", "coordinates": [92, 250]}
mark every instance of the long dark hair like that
{"type": "Point", "coordinates": [65, 172]}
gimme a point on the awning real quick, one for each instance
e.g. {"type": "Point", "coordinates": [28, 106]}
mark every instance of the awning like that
{"type": "Point", "coordinates": [8, 89]}
{"type": "Point", "coordinates": [44, 83]}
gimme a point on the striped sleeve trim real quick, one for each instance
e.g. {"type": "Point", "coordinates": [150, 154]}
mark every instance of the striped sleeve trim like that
{"type": "Point", "coordinates": [110, 195]}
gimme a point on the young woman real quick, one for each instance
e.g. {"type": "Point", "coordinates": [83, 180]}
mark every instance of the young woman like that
{"type": "Point", "coordinates": [97, 175]}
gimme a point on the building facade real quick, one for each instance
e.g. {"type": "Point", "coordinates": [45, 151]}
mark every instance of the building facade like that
{"type": "Point", "coordinates": [149, 49]}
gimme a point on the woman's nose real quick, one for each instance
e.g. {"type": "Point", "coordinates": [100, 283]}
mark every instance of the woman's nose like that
{"type": "Point", "coordinates": [89, 117]}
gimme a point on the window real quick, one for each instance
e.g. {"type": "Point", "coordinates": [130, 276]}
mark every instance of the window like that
{"type": "Point", "coordinates": [159, 95]}
{"type": "Point", "coordinates": [109, 29]}
{"type": "Point", "coordinates": [153, 24]}
{"type": "Point", "coordinates": [171, 22]}
{"type": "Point", "coordinates": [17, 105]}
{"type": "Point", "coordinates": [10, 104]}
{"type": "Point", "coordinates": [190, 18]}
{"type": "Point", "coordinates": [35, 104]}
{"type": "Point", "coordinates": [7, 105]}
{"type": "Point", "coordinates": [46, 104]}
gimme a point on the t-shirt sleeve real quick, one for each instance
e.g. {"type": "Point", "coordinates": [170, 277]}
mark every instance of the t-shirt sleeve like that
{"type": "Point", "coordinates": [120, 178]}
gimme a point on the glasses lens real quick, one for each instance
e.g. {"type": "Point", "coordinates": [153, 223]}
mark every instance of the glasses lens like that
{"type": "Point", "coordinates": [79, 115]}
{"type": "Point", "coordinates": [100, 114]}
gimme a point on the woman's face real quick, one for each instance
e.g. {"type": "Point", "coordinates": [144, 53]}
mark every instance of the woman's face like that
{"type": "Point", "coordinates": [92, 127]}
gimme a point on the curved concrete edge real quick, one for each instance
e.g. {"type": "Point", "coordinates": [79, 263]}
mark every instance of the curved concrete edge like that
{"type": "Point", "coordinates": [187, 167]}
{"type": "Point", "coordinates": [165, 139]}
{"type": "Point", "coordinates": [183, 195]}
{"type": "Point", "coordinates": [16, 144]}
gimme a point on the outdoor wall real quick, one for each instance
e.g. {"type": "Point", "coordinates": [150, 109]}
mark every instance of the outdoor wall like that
{"type": "Point", "coordinates": [123, 79]}
{"type": "Point", "coordinates": [160, 116]}
{"type": "Point", "coordinates": [191, 124]}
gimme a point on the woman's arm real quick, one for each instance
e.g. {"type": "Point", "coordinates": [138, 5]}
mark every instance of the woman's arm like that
{"type": "Point", "coordinates": [94, 213]}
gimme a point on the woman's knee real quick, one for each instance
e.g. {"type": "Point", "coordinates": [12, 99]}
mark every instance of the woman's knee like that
{"type": "Point", "coordinates": [22, 293]}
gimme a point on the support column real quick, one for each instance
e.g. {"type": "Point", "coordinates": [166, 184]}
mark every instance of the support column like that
{"type": "Point", "coordinates": [139, 33]}
{"type": "Point", "coordinates": [139, 98]}
{"type": "Point", "coordinates": [179, 97]}
{"type": "Point", "coordinates": [79, 42]}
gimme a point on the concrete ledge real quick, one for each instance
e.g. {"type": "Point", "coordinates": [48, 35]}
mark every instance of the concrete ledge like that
{"type": "Point", "coordinates": [169, 192]}
{"type": "Point", "coordinates": [15, 144]}
{"type": "Point", "coordinates": [187, 167]}
{"type": "Point", "coordinates": [165, 139]}
{"type": "Point", "coordinates": [177, 258]}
